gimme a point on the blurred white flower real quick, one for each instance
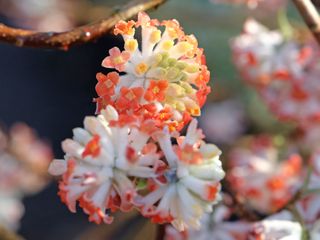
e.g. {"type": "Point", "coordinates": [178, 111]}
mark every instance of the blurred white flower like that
{"type": "Point", "coordinates": [49, 15]}
{"type": "Point", "coordinates": [11, 211]}
{"type": "Point", "coordinates": [257, 174]}
{"type": "Point", "coordinates": [213, 226]}
{"type": "Point", "coordinates": [262, 55]}
{"type": "Point", "coordinates": [24, 160]}
{"type": "Point", "coordinates": [276, 230]}
{"type": "Point", "coordinates": [309, 206]}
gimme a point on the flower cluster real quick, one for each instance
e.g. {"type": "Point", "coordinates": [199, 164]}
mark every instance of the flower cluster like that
{"type": "Point", "coordinates": [263, 56]}
{"type": "Point", "coordinates": [113, 164]}
{"type": "Point", "coordinates": [131, 155]}
{"type": "Point", "coordinates": [283, 71]}
{"type": "Point", "coordinates": [165, 79]}
{"type": "Point", "coordinates": [24, 161]}
{"type": "Point", "coordinates": [252, 4]}
{"type": "Point", "coordinates": [257, 175]}
{"type": "Point", "coordinates": [218, 226]}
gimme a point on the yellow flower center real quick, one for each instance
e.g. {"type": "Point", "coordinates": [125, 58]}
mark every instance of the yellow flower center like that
{"type": "Point", "coordinates": [167, 45]}
{"type": "Point", "coordinates": [117, 60]}
{"type": "Point", "coordinates": [131, 45]}
{"type": "Point", "coordinates": [108, 83]}
{"type": "Point", "coordinates": [172, 33]}
{"type": "Point", "coordinates": [130, 96]}
{"type": "Point", "coordinates": [155, 36]}
{"type": "Point", "coordinates": [156, 90]}
{"type": "Point", "coordinates": [141, 68]}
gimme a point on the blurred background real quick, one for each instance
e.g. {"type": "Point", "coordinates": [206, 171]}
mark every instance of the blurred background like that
{"type": "Point", "coordinates": [52, 90]}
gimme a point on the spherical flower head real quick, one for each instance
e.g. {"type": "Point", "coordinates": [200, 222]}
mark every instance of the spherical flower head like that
{"type": "Point", "coordinates": [103, 162]}
{"type": "Point", "coordinates": [164, 77]}
{"type": "Point", "coordinates": [297, 95]}
{"type": "Point", "coordinates": [24, 160]}
{"type": "Point", "coordinates": [260, 178]}
{"type": "Point", "coordinates": [262, 55]}
{"type": "Point", "coordinates": [284, 71]}
{"type": "Point", "coordinates": [188, 183]}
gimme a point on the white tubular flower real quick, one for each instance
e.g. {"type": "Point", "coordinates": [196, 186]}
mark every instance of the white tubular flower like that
{"type": "Point", "coordinates": [189, 185]}
{"type": "Point", "coordinates": [101, 162]}
{"type": "Point", "coordinates": [276, 230]}
{"type": "Point", "coordinates": [309, 206]}
{"type": "Point", "coordinates": [165, 79]}
{"type": "Point", "coordinates": [213, 226]}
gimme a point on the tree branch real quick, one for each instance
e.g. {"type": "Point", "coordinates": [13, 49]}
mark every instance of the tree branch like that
{"type": "Point", "coordinates": [8, 235]}
{"type": "Point", "coordinates": [76, 36]}
{"type": "Point", "coordinates": [310, 15]}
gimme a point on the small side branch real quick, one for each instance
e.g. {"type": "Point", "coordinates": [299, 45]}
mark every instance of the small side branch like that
{"type": "Point", "coordinates": [8, 235]}
{"type": "Point", "coordinates": [310, 15]}
{"type": "Point", "coordinates": [76, 36]}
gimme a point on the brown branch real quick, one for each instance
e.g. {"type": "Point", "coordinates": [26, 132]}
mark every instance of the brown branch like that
{"type": "Point", "coordinates": [76, 36]}
{"type": "Point", "coordinates": [161, 232]}
{"type": "Point", "coordinates": [5, 234]}
{"type": "Point", "coordinates": [310, 15]}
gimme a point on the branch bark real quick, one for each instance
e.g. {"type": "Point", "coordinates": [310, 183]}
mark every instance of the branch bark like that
{"type": "Point", "coordinates": [76, 36]}
{"type": "Point", "coordinates": [310, 15]}
{"type": "Point", "coordinates": [8, 235]}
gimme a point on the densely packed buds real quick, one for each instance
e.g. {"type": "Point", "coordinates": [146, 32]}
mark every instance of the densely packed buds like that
{"type": "Point", "coordinates": [99, 161]}
{"type": "Point", "coordinates": [165, 77]}
{"type": "Point", "coordinates": [106, 162]}
{"type": "Point", "coordinates": [257, 175]}
{"type": "Point", "coordinates": [131, 155]}
{"type": "Point", "coordinates": [189, 185]}
{"type": "Point", "coordinates": [214, 226]}
{"type": "Point", "coordinates": [24, 160]}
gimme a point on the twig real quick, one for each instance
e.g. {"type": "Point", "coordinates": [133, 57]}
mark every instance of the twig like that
{"type": "Point", "coordinates": [310, 15]}
{"type": "Point", "coordinates": [76, 36]}
{"type": "Point", "coordinates": [5, 234]}
{"type": "Point", "coordinates": [161, 230]}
